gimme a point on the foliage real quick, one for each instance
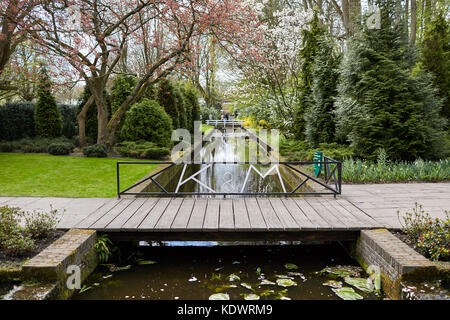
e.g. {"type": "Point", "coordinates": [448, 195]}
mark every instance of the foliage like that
{"type": "Point", "coordinates": [47, 117]}
{"type": "Point", "coordinates": [39, 224]}
{"type": "Point", "coordinates": [319, 116]}
{"type": "Point", "coordinates": [308, 54]}
{"type": "Point", "coordinates": [379, 104]}
{"type": "Point", "coordinates": [142, 150]}
{"type": "Point", "coordinates": [69, 120]}
{"type": "Point", "coordinates": [148, 121]}
{"type": "Point", "coordinates": [181, 106]}
{"type": "Point", "coordinates": [104, 248]}
{"type": "Point", "coordinates": [18, 240]}
{"type": "Point", "coordinates": [122, 87]}
{"type": "Point", "coordinates": [430, 236]}
{"type": "Point", "coordinates": [16, 120]}
{"type": "Point", "coordinates": [360, 171]}
{"type": "Point", "coordinates": [210, 113]}
{"type": "Point", "coordinates": [167, 99]}
{"type": "Point", "coordinates": [60, 148]}
{"type": "Point", "coordinates": [436, 58]}
{"type": "Point", "coordinates": [192, 103]}
{"type": "Point", "coordinates": [96, 151]}
{"type": "Point", "coordinates": [33, 145]}
{"type": "Point", "coordinates": [301, 151]}
{"type": "Point", "coordinates": [9, 222]}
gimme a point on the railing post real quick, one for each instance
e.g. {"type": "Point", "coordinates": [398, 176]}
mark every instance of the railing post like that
{"type": "Point", "coordinates": [340, 176]}
{"type": "Point", "coordinates": [118, 180]}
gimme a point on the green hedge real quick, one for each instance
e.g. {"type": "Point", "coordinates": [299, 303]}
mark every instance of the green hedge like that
{"type": "Point", "coordinates": [60, 148]}
{"type": "Point", "coordinates": [33, 145]}
{"type": "Point", "coordinates": [96, 151]}
{"type": "Point", "coordinates": [147, 121]}
{"type": "Point", "coordinates": [16, 121]}
{"type": "Point", "coordinates": [142, 150]}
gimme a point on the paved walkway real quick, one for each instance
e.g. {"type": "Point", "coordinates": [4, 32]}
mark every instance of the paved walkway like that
{"type": "Point", "coordinates": [382, 201]}
{"type": "Point", "coordinates": [378, 202]}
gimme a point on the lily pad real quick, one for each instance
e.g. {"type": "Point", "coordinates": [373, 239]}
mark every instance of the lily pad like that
{"type": "Point", "coordinates": [233, 277]}
{"type": "Point", "coordinates": [333, 283]}
{"type": "Point", "coordinates": [266, 282]}
{"type": "Point", "coordinates": [246, 285]}
{"type": "Point", "coordinates": [343, 271]}
{"type": "Point", "coordinates": [267, 293]}
{"type": "Point", "coordinates": [145, 262]}
{"type": "Point", "coordinates": [286, 283]}
{"type": "Point", "coordinates": [291, 266]}
{"type": "Point", "coordinates": [347, 293]}
{"type": "Point", "coordinates": [282, 276]}
{"type": "Point", "coordinates": [219, 296]}
{"type": "Point", "coordinates": [251, 296]}
{"type": "Point", "coordinates": [365, 285]}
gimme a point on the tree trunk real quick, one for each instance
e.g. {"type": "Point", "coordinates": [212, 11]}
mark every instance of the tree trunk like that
{"type": "Point", "coordinates": [412, 39]}
{"type": "Point", "coordinates": [81, 118]}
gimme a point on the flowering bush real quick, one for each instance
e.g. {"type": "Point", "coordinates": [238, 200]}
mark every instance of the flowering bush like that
{"type": "Point", "coordinates": [430, 236]}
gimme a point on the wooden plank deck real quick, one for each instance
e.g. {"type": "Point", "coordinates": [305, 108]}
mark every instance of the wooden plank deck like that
{"type": "Point", "coordinates": [219, 216]}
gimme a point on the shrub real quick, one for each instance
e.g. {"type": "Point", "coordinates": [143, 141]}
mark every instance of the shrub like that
{"type": "Point", "coordinates": [40, 225]}
{"type": "Point", "coordinates": [18, 244]}
{"type": "Point", "coordinates": [47, 117]}
{"type": "Point", "coordinates": [33, 145]}
{"type": "Point", "coordinates": [60, 148]}
{"type": "Point", "coordinates": [430, 236]}
{"type": "Point", "coordinates": [69, 120]}
{"type": "Point", "coordinates": [142, 150]}
{"type": "Point", "coordinates": [16, 121]}
{"type": "Point", "coordinates": [96, 151]}
{"type": "Point", "coordinates": [9, 222]}
{"type": "Point", "coordinates": [147, 121]}
{"type": "Point", "coordinates": [6, 147]}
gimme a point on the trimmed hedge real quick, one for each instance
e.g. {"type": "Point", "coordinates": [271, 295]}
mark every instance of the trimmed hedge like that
{"type": "Point", "coordinates": [142, 150]}
{"type": "Point", "coordinates": [60, 148]}
{"type": "Point", "coordinates": [16, 121]}
{"type": "Point", "coordinates": [33, 145]}
{"type": "Point", "coordinates": [96, 151]}
{"type": "Point", "coordinates": [147, 121]}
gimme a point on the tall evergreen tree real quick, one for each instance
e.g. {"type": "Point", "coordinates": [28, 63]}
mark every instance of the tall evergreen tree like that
{"type": "Point", "coordinates": [308, 53]}
{"type": "Point", "coordinates": [192, 101]}
{"type": "Point", "coordinates": [181, 106]}
{"type": "Point", "coordinates": [167, 99]}
{"type": "Point", "coordinates": [47, 117]}
{"type": "Point", "coordinates": [319, 117]}
{"type": "Point", "coordinates": [122, 87]}
{"type": "Point", "coordinates": [380, 105]}
{"type": "Point", "coordinates": [436, 58]}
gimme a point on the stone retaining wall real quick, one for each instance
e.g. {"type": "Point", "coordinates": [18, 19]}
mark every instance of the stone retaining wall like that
{"type": "Point", "coordinates": [396, 261]}
{"type": "Point", "coordinates": [74, 248]}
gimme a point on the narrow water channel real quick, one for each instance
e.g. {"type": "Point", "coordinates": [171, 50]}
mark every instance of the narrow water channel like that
{"type": "Point", "coordinates": [225, 178]}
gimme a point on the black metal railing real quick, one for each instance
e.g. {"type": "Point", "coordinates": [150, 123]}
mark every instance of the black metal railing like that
{"type": "Point", "coordinates": [331, 180]}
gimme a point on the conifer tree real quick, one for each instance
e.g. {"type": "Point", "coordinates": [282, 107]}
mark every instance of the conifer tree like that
{"type": "Point", "coordinates": [319, 117]}
{"type": "Point", "coordinates": [47, 117]}
{"type": "Point", "coordinates": [380, 105]}
{"type": "Point", "coordinates": [436, 59]}
{"type": "Point", "coordinates": [307, 54]}
{"type": "Point", "coordinates": [167, 99]}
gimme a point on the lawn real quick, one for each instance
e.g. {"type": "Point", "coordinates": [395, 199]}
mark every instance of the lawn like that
{"type": "Point", "coordinates": [39, 175]}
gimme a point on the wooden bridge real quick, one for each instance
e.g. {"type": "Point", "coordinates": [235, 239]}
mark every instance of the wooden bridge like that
{"type": "Point", "coordinates": [314, 218]}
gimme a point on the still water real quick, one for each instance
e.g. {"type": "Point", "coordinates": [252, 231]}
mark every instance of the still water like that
{"type": "Point", "coordinates": [229, 177]}
{"type": "Point", "coordinates": [198, 272]}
